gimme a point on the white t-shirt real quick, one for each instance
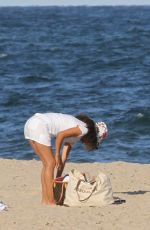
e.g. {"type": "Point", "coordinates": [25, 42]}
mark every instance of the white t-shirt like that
{"type": "Point", "coordinates": [58, 122]}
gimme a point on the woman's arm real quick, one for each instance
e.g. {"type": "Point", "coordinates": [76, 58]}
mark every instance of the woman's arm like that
{"type": "Point", "coordinates": [65, 153]}
{"type": "Point", "coordinates": [73, 132]}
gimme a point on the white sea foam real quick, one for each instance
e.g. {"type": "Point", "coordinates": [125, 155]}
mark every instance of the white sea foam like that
{"type": "Point", "coordinates": [2, 55]}
{"type": "Point", "coordinates": [140, 115]}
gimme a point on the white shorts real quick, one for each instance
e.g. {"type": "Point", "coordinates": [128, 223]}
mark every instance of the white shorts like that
{"type": "Point", "coordinates": [37, 130]}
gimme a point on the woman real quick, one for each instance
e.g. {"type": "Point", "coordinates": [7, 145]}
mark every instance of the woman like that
{"type": "Point", "coordinates": [66, 129]}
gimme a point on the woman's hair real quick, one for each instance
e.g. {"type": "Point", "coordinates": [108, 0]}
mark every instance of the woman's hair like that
{"type": "Point", "coordinates": [90, 139]}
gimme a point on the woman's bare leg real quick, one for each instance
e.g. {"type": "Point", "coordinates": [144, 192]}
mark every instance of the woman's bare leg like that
{"type": "Point", "coordinates": [47, 175]}
{"type": "Point", "coordinates": [44, 193]}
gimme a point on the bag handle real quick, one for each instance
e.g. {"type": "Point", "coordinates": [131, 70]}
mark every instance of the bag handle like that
{"type": "Point", "coordinates": [76, 188]}
{"type": "Point", "coordinates": [64, 185]}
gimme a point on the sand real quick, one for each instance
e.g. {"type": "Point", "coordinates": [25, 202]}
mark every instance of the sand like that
{"type": "Point", "coordinates": [20, 189]}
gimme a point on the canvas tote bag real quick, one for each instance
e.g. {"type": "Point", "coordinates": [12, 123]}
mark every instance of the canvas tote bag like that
{"type": "Point", "coordinates": [80, 192]}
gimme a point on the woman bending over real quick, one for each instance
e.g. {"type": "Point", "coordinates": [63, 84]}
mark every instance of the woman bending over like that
{"type": "Point", "coordinates": [66, 129]}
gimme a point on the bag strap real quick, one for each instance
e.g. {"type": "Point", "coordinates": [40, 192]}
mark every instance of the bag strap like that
{"type": "Point", "coordinates": [61, 195]}
{"type": "Point", "coordinates": [64, 185]}
{"type": "Point", "coordinates": [76, 188]}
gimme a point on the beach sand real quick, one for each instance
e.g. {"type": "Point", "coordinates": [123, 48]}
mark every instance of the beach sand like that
{"type": "Point", "coordinates": [20, 189]}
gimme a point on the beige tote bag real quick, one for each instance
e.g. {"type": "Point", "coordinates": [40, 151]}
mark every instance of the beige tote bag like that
{"type": "Point", "coordinates": [81, 192]}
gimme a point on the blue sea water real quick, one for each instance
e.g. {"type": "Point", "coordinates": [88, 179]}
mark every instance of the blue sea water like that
{"type": "Point", "coordinates": [93, 60]}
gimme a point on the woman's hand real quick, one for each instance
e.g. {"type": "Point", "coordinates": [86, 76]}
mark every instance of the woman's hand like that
{"type": "Point", "coordinates": [58, 162]}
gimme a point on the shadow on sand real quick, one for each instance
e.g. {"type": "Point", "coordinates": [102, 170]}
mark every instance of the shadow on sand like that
{"type": "Point", "coordinates": [139, 192]}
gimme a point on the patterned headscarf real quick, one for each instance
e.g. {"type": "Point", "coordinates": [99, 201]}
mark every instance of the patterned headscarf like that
{"type": "Point", "coordinates": [102, 131]}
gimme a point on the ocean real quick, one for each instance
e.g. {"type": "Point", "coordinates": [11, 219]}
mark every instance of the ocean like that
{"type": "Point", "coordinates": [92, 60]}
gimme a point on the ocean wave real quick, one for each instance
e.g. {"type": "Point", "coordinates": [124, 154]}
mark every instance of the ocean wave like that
{"type": "Point", "coordinates": [34, 79]}
{"type": "Point", "coordinates": [13, 99]}
{"type": "Point", "coordinates": [3, 55]}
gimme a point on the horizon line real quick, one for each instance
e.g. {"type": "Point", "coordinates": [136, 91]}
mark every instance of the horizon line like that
{"type": "Point", "coordinates": [39, 5]}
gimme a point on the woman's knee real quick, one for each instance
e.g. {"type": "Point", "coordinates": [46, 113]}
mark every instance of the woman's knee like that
{"type": "Point", "coordinates": [49, 164]}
